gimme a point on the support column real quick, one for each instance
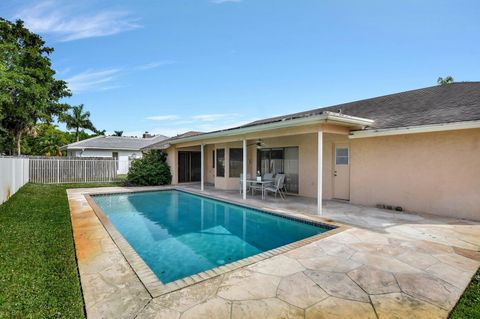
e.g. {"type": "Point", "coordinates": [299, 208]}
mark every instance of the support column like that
{"type": "Point", "coordinates": [244, 176]}
{"type": "Point", "coordinates": [202, 167]}
{"type": "Point", "coordinates": [319, 172]}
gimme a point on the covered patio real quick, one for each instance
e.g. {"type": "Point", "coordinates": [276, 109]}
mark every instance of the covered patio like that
{"type": "Point", "coordinates": [311, 152]}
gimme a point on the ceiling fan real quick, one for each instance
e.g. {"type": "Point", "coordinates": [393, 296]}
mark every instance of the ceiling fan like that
{"type": "Point", "coordinates": [258, 143]}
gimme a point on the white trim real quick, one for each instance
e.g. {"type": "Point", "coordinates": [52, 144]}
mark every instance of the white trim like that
{"type": "Point", "coordinates": [244, 177]}
{"type": "Point", "coordinates": [319, 172]}
{"type": "Point", "coordinates": [202, 167]}
{"type": "Point", "coordinates": [322, 118]}
{"type": "Point", "coordinates": [416, 129]}
{"type": "Point", "coordinates": [78, 148]}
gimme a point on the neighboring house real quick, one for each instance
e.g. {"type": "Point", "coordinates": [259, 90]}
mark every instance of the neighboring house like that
{"type": "Point", "coordinates": [418, 150]}
{"type": "Point", "coordinates": [122, 148]}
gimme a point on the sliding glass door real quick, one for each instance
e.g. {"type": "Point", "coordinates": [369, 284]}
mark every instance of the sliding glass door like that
{"type": "Point", "coordinates": [189, 167]}
{"type": "Point", "coordinates": [282, 160]}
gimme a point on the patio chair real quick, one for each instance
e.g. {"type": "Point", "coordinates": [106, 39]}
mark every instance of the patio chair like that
{"type": "Point", "coordinates": [277, 186]}
{"type": "Point", "coordinates": [268, 177]}
{"type": "Point", "coordinates": [241, 183]}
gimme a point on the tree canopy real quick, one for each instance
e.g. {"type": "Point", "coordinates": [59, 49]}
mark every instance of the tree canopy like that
{"type": "Point", "coordinates": [29, 92]}
{"type": "Point", "coordinates": [447, 80]}
{"type": "Point", "coordinates": [78, 120]}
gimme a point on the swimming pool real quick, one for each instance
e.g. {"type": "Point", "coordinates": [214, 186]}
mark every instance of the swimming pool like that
{"type": "Point", "coordinates": [179, 234]}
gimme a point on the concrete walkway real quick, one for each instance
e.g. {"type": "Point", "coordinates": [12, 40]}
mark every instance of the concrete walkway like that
{"type": "Point", "coordinates": [388, 265]}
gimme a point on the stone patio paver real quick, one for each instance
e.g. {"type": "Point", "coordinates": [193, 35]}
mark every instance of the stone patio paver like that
{"type": "Point", "coordinates": [217, 308]}
{"type": "Point", "coordinates": [279, 266]}
{"type": "Point", "coordinates": [245, 284]}
{"type": "Point", "coordinates": [374, 281]}
{"type": "Point", "coordinates": [337, 308]}
{"type": "Point", "coordinates": [393, 265]}
{"type": "Point", "coordinates": [299, 290]}
{"type": "Point", "coordinates": [271, 308]}
{"type": "Point", "coordinates": [338, 285]}
{"type": "Point", "coordinates": [402, 306]}
{"type": "Point", "coordinates": [429, 288]}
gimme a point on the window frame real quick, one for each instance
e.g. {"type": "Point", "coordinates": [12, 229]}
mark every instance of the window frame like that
{"type": "Point", "coordinates": [220, 165]}
{"type": "Point", "coordinates": [235, 162]}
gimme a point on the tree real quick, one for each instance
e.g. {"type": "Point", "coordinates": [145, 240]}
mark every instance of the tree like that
{"type": "Point", "coordinates": [447, 80]}
{"type": "Point", "coordinates": [117, 133]}
{"type": "Point", "coordinates": [78, 120]}
{"type": "Point", "coordinates": [47, 140]}
{"type": "Point", "coordinates": [150, 170]}
{"type": "Point", "coordinates": [29, 92]}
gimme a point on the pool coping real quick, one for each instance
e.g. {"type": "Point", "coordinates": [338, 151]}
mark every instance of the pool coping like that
{"type": "Point", "coordinates": [156, 287]}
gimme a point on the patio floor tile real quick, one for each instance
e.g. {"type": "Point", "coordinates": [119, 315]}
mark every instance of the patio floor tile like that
{"type": "Point", "coordinates": [401, 306]}
{"type": "Point", "coordinates": [300, 291]}
{"type": "Point", "coordinates": [271, 308]}
{"type": "Point", "coordinates": [338, 285]}
{"type": "Point", "coordinates": [244, 284]}
{"type": "Point", "coordinates": [336, 308]}
{"type": "Point", "coordinates": [374, 281]}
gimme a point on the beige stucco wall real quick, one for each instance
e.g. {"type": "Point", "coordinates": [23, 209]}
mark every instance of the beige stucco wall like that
{"type": "Point", "coordinates": [435, 173]}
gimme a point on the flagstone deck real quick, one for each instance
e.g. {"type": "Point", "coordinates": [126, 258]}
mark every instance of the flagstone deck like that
{"type": "Point", "coordinates": [386, 265]}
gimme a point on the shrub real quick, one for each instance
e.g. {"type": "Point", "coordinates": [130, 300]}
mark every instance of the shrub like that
{"type": "Point", "coordinates": [150, 170]}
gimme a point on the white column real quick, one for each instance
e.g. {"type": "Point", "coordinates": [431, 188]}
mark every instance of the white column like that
{"type": "Point", "coordinates": [202, 167]}
{"type": "Point", "coordinates": [244, 182]}
{"type": "Point", "coordinates": [319, 172]}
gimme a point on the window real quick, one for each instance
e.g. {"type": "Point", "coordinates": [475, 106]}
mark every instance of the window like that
{"type": "Point", "coordinates": [236, 162]}
{"type": "Point", "coordinates": [341, 156]}
{"type": "Point", "coordinates": [213, 159]}
{"type": "Point", "coordinates": [220, 162]}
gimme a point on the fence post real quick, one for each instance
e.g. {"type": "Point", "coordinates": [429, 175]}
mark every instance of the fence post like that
{"type": "Point", "coordinates": [58, 171]}
{"type": "Point", "coordinates": [85, 171]}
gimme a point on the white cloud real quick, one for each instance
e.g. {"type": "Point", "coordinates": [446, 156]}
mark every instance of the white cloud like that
{"type": "Point", "coordinates": [102, 80]}
{"type": "Point", "coordinates": [93, 80]}
{"type": "Point", "coordinates": [68, 22]}
{"type": "Point", "coordinates": [172, 128]}
{"type": "Point", "coordinates": [163, 117]}
{"type": "Point", "coordinates": [213, 117]}
{"type": "Point", "coordinates": [224, 1]}
{"type": "Point", "coordinates": [154, 65]}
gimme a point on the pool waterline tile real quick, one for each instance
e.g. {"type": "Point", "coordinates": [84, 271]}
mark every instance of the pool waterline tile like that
{"type": "Point", "coordinates": [151, 281]}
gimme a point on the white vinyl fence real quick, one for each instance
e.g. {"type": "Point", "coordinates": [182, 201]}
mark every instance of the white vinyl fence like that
{"type": "Point", "coordinates": [68, 170]}
{"type": "Point", "coordinates": [13, 175]}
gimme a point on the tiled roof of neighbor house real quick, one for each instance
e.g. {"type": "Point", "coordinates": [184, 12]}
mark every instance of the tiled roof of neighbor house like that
{"type": "Point", "coordinates": [455, 102]}
{"type": "Point", "coordinates": [115, 142]}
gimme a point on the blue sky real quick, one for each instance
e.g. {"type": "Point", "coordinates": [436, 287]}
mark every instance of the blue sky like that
{"type": "Point", "coordinates": [169, 66]}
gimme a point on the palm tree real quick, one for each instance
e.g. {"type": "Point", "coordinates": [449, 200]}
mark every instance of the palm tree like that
{"type": "Point", "coordinates": [446, 80]}
{"type": "Point", "coordinates": [117, 133]}
{"type": "Point", "coordinates": [77, 120]}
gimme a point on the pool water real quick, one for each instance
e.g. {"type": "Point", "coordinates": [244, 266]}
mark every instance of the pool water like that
{"type": "Point", "coordinates": [179, 234]}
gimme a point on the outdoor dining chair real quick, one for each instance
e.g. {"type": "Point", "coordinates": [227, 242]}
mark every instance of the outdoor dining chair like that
{"type": "Point", "coordinates": [277, 186]}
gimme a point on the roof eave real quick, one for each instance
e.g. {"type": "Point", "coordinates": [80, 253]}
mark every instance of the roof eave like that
{"type": "Point", "coordinates": [325, 117]}
{"type": "Point", "coordinates": [416, 129]}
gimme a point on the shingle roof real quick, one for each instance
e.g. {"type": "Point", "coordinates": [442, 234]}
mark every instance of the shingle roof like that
{"type": "Point", "coordinates": [455, 102]}
{"type": "Point", "coordinates": [115, 142]}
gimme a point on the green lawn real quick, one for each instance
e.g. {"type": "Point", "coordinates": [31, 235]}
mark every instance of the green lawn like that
{"type": "Point", "coordinates": [38, 270]}
{"type": "Point", "coordinates": [469, 305]}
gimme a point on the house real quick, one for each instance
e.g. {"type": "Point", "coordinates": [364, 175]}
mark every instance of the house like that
{"type": "Point", "coordinates": [417, 151]}
{"type": "Point", "coordinates": [121, 148]}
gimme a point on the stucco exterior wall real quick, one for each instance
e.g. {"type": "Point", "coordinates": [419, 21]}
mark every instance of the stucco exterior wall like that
{"type": "Point", "coordinates": [436, 173]}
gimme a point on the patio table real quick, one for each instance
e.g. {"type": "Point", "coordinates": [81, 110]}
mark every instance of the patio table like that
{"type": "Point", "coordinates": [262, 183]}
